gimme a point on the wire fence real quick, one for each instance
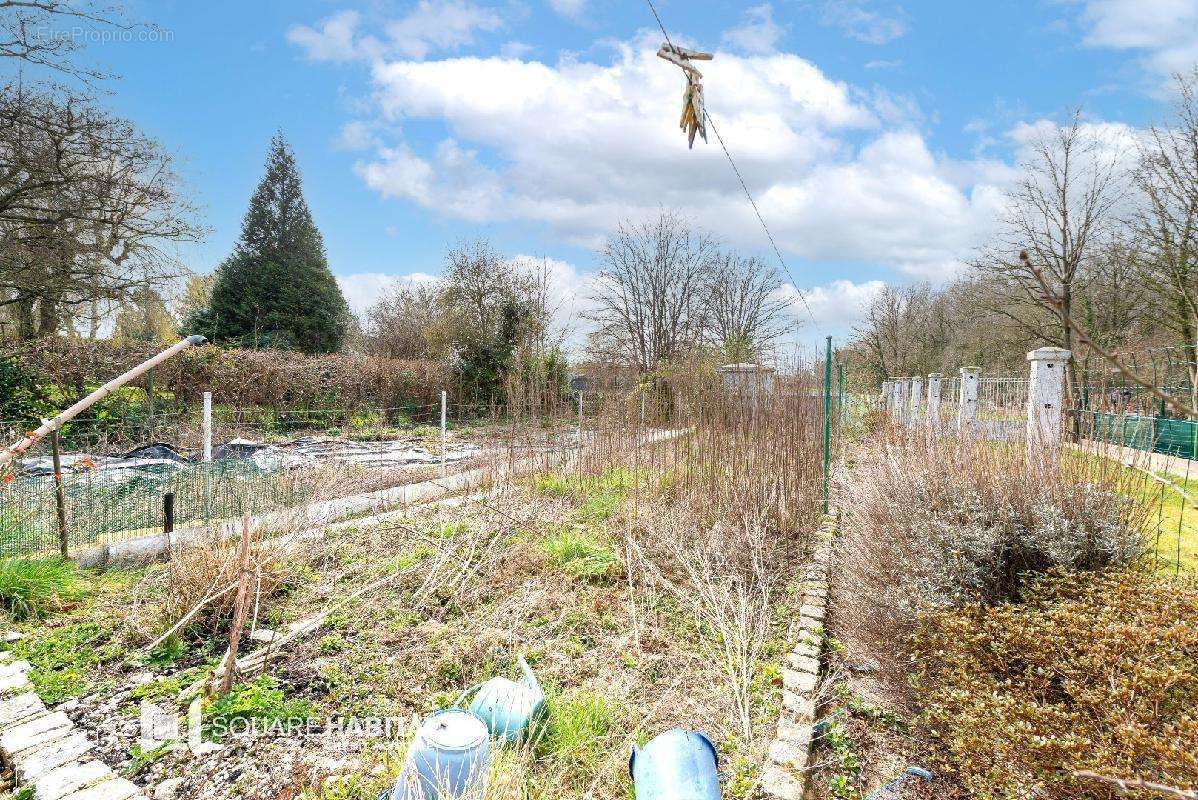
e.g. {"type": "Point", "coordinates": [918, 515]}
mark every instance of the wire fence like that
{"type": "Point", "coordinates": [127, 476]}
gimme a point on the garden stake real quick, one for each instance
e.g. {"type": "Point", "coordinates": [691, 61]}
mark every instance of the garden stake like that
{"type": "Point", "coordinates": [59, 499]}
{"type": "Point", "coordinates": [243, 587]}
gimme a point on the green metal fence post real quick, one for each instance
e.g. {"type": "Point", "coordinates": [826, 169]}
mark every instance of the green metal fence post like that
{"type": "Point", "coordinates": [827, 416]}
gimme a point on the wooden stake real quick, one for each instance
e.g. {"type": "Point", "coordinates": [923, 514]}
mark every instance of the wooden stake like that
{"type": "Point", "coordinates": [240, 606]}
{"type": "Point", "coordinates": [60, 499]}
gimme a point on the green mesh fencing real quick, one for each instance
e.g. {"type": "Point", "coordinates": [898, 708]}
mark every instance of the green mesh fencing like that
{"type": "Point", "coordinates": [104, 506]}
{"type": "Point", "coordinates": [1158, 434]}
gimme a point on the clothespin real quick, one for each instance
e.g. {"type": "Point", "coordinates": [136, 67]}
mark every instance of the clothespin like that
{"type": "Point", "coordinates": [694, 118]}
{"type": "Point", "coordinates": [681, 57]}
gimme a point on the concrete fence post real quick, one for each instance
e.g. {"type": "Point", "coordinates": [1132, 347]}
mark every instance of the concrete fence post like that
{"type": "Point", "coordinates": [900, 400]}
{"type": "Point", "coordinates": [914, 401]}
{"type": "Point", "coordinates": [933, 407]}
{"type": "Point", "coordinates": [967, 399]}
{"type": "Point", "coordinates": [207, 426]}
{"type": "Point", "coordinates": [1045, 392]}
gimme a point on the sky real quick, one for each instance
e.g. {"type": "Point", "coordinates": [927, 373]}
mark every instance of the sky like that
{"type": "Point", "coordinates": [877, 138]}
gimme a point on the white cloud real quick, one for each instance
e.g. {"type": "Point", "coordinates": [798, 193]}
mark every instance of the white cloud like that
{"type": "Point", "coordinates": [1166, 31]}
{"type": "Point", "coordinates": [431, 26]}
{"type": "Point", "coordinates": [840, 175]}
{"type": "Point", "coordinates": [515, 49]}
{"type": "Point", "coordinates": [571, 9]}
{"type": "Point", "coordinates": [858, 19]}
{"type": "Point", "coordinates": [839, 304]}
{"type": "Point", "coordinates": [356, 135]}
{"type": "Point", "coordinates": [363, 289]}
{"type": "Point", "coordinates": [333, 40]}
{"type": "Point", "coordinates": [758, 34]}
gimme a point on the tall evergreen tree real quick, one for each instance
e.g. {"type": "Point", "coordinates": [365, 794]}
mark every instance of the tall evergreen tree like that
{"type": "Point", "coordinates": [276, 290]}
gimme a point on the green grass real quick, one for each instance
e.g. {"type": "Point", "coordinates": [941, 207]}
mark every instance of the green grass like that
{"type": "Point", "coordinates": [579, 554]}
{"type": "Point", "coordinates": [1173, 527]}
{"type": "Point", "coordinates": [597, 497]}
{"type": "Point", "coordinates": [575, 727]}
{"type": "Point", "coordinates": [31, 588]}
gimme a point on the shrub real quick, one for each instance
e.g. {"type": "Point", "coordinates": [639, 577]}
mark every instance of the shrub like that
{"type": "Point", "coordinates": [275, 378]}
{"type": "Point", "coordinates": [30, 588]}
{"type": "Point", "coordinates": [1091, 672]}
{"type": "Point", "coordinates": [21, 398]}
{"type": "Point", "coordinates": [948, 522]}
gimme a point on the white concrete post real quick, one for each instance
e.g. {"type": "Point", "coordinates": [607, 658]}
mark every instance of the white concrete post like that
{"type": "Point", "coordinates": [443, 409]}
{"type": "Point", "coordinates": [206, 427]}
{"type": "Point", "coordinates": [933, 416]}
{"type": "Point", "coordinates": [915, 399]}
{"type": "Point", "coordinates": [967, 399]}
{"type": "Point", "coordinates": [886, 394]}
{"type": "Point", "coordinates": [904, 391]}
{"type": "Point", "coordinates": [1045, 393]}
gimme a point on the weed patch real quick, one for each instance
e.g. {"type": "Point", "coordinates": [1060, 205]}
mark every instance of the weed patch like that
{"type": "Point", "coordinates": [61, 659]}
{"type": "Point", "coordinates": [580, 554]}
{"type": "Point", "coordinates": [261, 701]}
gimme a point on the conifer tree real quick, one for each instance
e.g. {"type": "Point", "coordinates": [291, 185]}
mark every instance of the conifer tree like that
{"type": "Point", "coordinates": [276, 289]}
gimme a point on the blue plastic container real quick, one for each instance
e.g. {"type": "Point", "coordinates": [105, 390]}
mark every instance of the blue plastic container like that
{"type": "Point", "coordinates": [676, 765]}
{"type": "Point", "coordinates": [448, 760]}
{"type": "Point", "coordinates": [507, 707]}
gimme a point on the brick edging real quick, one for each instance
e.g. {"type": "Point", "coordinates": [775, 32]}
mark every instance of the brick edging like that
{"type": "Point", "coordinates": [45, 750]}
{"type": "Point", "coordinates": [785, 774]}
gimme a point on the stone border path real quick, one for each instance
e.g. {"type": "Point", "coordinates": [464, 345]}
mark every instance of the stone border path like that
{"type": "Point", "coordinates": [785, 773]}
{"type": "Point", "coordinates": [44, 749]}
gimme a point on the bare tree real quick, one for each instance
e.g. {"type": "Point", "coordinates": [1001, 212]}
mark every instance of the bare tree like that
{"type": "Point", "coordinates": [1060, 212]}
{"type": "Point", "coordinates": [88, 205]}
{"type": "Point", "coordinates": [1165, 225]}
{"type": "Point", "coordinates": [745, 312]}
{"type": "Point", "coordinates": [905, 331]}
{"type": "Point", "coordinates": [50, 33]}
{"type": "Point", "coordinates": [398, 324]}
{"type": "Point", "coordinates": [650, 303]}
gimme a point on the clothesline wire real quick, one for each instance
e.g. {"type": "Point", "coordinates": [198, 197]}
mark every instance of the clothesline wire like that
{"type": "Point", "coordinates": [739, 177]}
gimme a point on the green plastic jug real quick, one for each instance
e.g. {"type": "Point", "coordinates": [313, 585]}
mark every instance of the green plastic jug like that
{"type": "Point", "coordinates": [507, 707]}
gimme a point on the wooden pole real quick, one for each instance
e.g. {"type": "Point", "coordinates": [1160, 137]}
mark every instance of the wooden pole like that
{"type": "Point", "coordinates": [239, 607]}
{"type": "Point", "coordinates": [60, 499]}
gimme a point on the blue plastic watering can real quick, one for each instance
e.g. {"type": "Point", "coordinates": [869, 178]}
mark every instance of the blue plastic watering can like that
{"type": "Point", "coordinates": [890, 790]}
{"type": "Point", "coordinates": [507, 707]}
{"type": "Point", "coordinates": [448, 760]}
{"type": "Point", "coordinates": [675, 765]}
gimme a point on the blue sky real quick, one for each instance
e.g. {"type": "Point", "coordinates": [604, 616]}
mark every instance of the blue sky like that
{"type": "Point", "coordinates": [877, 136]}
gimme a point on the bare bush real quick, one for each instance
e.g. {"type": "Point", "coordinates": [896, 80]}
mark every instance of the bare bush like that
{"type": "Point", "coordinates": [728, 577]}
{"type": "Point", "coordinates": [942, 522]}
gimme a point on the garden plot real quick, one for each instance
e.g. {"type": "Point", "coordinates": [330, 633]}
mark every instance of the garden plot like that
{"type": "Point", "coordinates": [638, 613]}
{"type": "Point", "coordinates": [109, 498]}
